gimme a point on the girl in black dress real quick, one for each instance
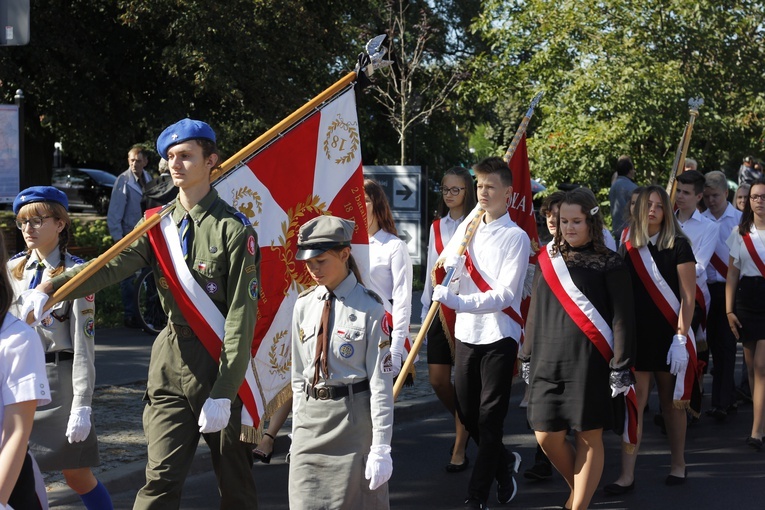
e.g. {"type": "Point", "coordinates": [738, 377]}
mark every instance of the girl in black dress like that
{"type": "Point", "coordinates": [569, 366]}
{"type": "Point", "coordinates": [661, 348]}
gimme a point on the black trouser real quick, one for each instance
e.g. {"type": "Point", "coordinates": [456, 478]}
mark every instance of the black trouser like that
{"type": "Point", "coordinates": [722, 345]}
{"type": "Point", "coordinates": [483, 375]}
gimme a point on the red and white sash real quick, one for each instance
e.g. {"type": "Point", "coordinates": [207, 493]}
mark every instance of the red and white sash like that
{"type": "Point", "coordinates": [484, 284]}
{"type": "Point", "coordinates": [669, 306]}
{"type": "Point", "coordinates": [720, 263]}
{"type": "Point", "coordinates": [447, 315]}
{"type": "Point", "coordinates": [755, 248]}
{"type": "Point", "coordinates": [625, 236]}
{"type": "Point", "coordinates": [204, 318]}
{"type": "Point", "coordinates": [593, 325]}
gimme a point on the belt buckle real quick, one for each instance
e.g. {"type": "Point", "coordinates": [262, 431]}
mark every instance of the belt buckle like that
{"type": "Point", "coordinates": [322, 393]}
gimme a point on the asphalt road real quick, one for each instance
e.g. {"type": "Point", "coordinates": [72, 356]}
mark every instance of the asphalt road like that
{"type": "Point", "coordinates": [722, 472]}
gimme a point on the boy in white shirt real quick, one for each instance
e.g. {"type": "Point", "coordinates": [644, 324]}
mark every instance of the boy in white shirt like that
{"type": "Point", "coordinates": [488, 328]}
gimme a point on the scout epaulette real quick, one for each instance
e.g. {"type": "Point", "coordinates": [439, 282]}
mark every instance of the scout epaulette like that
{"type": "Point", "coordinates": [307, 291]}
{"type": "Point", "coordinates": [373, 294]}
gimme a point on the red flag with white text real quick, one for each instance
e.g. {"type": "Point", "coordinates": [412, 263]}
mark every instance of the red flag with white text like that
{"type": "Point", "coordinates": [521, 206]}
{"type": "Point", "coordinates": [313, 169]}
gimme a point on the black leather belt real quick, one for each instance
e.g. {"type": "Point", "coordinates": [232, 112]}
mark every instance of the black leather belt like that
{"type": "Point", "coordinates": [55, 357]}
{"type": "Point", "coordinates": [335, 392]}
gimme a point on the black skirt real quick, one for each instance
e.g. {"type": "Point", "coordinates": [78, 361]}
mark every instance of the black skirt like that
{"type": "Point", "coordinates": [750, 308]}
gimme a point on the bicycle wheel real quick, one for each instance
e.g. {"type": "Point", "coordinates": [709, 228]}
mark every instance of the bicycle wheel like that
{"type": "Point", "coordinates": [149, 308]}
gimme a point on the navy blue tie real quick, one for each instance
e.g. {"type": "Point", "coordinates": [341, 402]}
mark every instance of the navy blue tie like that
{"type": "Point", "coordinates": [184, 234]}
{"type": "Point", "coordinates": [37, 278]}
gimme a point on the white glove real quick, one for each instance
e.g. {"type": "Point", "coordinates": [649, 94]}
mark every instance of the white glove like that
{"type": "Point", "coordinates": [445, 296]}
{"type": "Point", "coordinates": [33, 301]}
{"type": "Point", "coordinates": [677, 357]}
{"type": "Point", "coordinates": [79, 425]}
{"type": "Point", "coordinates": [379, 466]}
{"type": "Point", "coordinates": [215, 415]}
{"type": "Point", "coordinates": [526, 371]}
{"type": "Point", "coordinates": [455, 261]}
{"type": "Point", "coordinates": [397, 359]}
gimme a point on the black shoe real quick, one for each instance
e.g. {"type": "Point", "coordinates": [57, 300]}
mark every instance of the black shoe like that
{"type": "Point", "coordinates": [475, 504]}
{"type": "Point", "coordinates": [673, 480]}
{"type": "Point", "coordinates": [717, 413]}
{"type": "Point", "coordinates": [732, 409]}
{"type": "Point", "coordinates": [540, 471]}
{"type": "Point", "coordinates": [457, 468]}
{"type": "Point", "coordinates": [754, 443]}
{"type": "Point", "coordinates": [616, 489]}
{"type": "Point", "coordinates": [507, 491]}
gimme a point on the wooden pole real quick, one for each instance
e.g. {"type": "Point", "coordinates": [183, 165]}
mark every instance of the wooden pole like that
{"type": "Point", "coordinates": [231, 163]}
{"type": "Point", "coordinates": [409, 363]}
{"type": "Point", "coordinates": [678, 166]}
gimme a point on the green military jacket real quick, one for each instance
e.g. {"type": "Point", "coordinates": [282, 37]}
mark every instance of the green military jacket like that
{"type": "Point", "coordinates": [224, 259]}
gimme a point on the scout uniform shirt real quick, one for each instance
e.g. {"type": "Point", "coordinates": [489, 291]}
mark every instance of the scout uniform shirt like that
{"type": "Point", "coordinates": [224, 259]}
{"type": "Point", "coordinates": [358, 349]}
{"type": "Point", "coordinates": [69, 328]}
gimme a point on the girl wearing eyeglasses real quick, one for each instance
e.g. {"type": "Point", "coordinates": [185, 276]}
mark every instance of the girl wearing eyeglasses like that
{"type": "Point", "coordinates": [744, 289]}
{"type": "Point", "coordinates": [63, 437]}
{"type": "Point", "coordinates": [459, 198]}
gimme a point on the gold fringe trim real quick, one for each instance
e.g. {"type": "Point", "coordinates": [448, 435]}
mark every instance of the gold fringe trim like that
{"type": "Point", "coordinates": [686, 405]}
{"type": "Point", "coordinates": [702, 346]}
{"type": "Point", "coordinates": [250, 434]}
{"type": "Point", "coordinates": [447, 333]}
{"type": "Point", "coordinates": [628, 448]}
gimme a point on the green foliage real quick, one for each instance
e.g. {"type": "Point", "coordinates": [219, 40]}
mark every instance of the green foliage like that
{"type": "Point", "coordinates": [617, 76]}
{"type": "Point", "coordinates": [92, 237]}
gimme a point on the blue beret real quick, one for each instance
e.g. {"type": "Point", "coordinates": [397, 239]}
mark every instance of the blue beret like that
{"type": "Point", "coordinates": [181, 131]}
{"type": "Point", "coordinates": [40, 194]}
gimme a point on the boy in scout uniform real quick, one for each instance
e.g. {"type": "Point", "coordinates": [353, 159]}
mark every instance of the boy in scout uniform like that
{"type": "Point", "coordinates": [188, 392]}
{"type": "Point", "coordinates": [342, 380]}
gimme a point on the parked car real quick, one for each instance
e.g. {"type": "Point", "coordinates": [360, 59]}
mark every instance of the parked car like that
{"type": "Point", "coordinates": [85, 187]}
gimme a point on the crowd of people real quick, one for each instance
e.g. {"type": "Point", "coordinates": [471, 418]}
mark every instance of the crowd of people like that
{"type": "Point", "coordinates": [689, 264]}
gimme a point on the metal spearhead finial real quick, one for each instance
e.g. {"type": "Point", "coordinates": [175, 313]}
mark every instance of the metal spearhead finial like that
{"type": "Point", "coordinates": [694, 104]}
{"type": "Point", "coordinates": [534, 103]}
{"type": "Point", "coordinates": [376, 52]}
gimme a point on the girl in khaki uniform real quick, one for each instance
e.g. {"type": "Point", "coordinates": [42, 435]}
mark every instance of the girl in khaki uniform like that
{"type": "Point", "coordinates": [342, 380]}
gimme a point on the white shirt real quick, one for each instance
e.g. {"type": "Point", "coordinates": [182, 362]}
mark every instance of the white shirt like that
{"type": "Point", "coordinates": [499, 250]}
{"type": "Point", "coordinates": [740, 255]}
{"type": "Point", "coordinates": [22, 366]}
{"type": "Point", "coordinates": [608, 239]}
{"type": "Point", "coordinates": [390, 277]}
{"type": "Point", "coordinates": [448, 227]}
{"type": "Point", "coordinates": [703, 234]}
{"type": "Point", "coordinates": [726, 223]}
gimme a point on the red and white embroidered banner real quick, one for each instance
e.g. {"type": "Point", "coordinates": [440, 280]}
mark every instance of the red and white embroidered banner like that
{"type": "Point", "coordinates": [669, 306]}
{"type": "Point", "coordinates": [593, 325]}
{"type": "Point", "coordinates": [755, 248]}
{"type": "Point", "coordinates": [313, 169]}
